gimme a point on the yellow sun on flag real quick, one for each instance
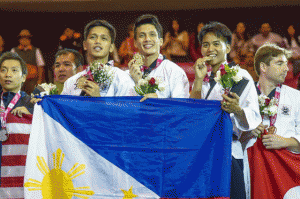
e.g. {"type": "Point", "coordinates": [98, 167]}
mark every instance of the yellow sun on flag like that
{"type": "Point", "coordinates": [56, 182]}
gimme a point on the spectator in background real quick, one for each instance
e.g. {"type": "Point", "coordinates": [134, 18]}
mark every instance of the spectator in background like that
{"type": "Point", "coordinates": [239, 45]}
{"type": "Point", "coordinates": [292, 43]}
{"type": "Point", "coordinates": [70, 39]}
{"type": "Point", "coordinates": [34, 60]}
{"type": "Point", "coordinates": [127, 48]}
{"type": "Point", "coordinates": [1, 45]}
{"type": "Point", "coordinates": [176, 43]}
{"type": "Point", "coordinates": [194, 47]}
{"type": "Point", "coordinates": [265, 36]}
{"type": "Point", "coordinates": [248, 64]}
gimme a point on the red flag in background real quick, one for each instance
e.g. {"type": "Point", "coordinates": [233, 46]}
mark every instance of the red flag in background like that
{"type": "Point", "coordinates": [275, 174]}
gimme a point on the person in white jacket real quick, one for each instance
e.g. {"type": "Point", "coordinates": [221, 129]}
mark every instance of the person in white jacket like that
{"type": "Point", "coordinates": [271, 65]}
{"type": "Point", "coordinates": [99, 38]}
{"type": "Point", "coordinates": [242, 103]}
{"type": "Point", "coordinates": [148, 38]}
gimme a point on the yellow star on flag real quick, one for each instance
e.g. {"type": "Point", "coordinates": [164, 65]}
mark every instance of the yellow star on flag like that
{"type": "Point", "coordinates": [128, 194]}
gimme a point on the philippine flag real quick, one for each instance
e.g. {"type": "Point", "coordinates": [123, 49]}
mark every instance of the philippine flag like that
{"type": "Point", "coordinates": [119, 148]}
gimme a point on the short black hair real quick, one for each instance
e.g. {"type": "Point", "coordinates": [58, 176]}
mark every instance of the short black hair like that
{"type": "Point", "coordinates": [219, 29]}
{"type": "Point", "coordinates": [79, 60]}
{"type": "Point", "coordinates": [148, 19]}
{"type": "Point", "coordinates": [266, 53]}
{"type": "Point", "coordinates": [14, 56]}
{"type": "Point", "coordinates": [103, 23]}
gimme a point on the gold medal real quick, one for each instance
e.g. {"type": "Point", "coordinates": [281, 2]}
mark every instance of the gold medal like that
{"type": "Point", "coordinates": [272, 130]}
{"type": "Point", "coordinates": [80, 82]}
{"type": "Point", "coordinates": [139, 59]}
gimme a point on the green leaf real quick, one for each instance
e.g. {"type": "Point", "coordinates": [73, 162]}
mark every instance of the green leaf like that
{"type": "Point", "coordinates": [138, 90]}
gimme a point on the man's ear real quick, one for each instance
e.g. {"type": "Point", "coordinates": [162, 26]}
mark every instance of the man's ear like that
{"type": "Point", "coordinates": [135, 44]}
{"type": "Point", "coordinates": [228, 48]}
{"type": "Point", "coordinates": [23, 78]}
{"type": "Point", "coordinates": [111, 48]}
{"type": "Point", "coordinates": [161, 41]}
{"type": "Point", "coordinates": [263, 67]}
{"type": "Point", "coordinates": [84, 45]}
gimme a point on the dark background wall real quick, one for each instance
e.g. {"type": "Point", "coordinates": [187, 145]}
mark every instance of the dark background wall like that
{"type": "Point", "coordinates": [46, 21]}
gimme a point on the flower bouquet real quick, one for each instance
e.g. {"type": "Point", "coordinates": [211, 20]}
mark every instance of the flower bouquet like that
{"type": "Point", "coordinates": [99, 73]}
{"type": "Point", "coordinates": [228, 77]}
{"type": "Point", "coordinates": [44, 89]}
{"type": "Point", "coordinates": [148, 85]}
{"type": "Point", "coordinates": [267, 106]}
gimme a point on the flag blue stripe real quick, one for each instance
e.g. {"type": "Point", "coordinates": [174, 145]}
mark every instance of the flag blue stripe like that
{"type": "Point", "coordinates": [177, 148]}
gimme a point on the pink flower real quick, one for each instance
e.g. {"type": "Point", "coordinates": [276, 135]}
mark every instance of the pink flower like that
{"type": "Point", "coordinates": [267, 101]}
{"type": "Point", "coordinates": [143, 68]}
{"type": "Point", "coordinates": [223, 71]}
{"type": "Point", "coordinates": [152, 81]}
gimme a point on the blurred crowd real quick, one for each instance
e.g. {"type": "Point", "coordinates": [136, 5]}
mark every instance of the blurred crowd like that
{"type": "Point", "coordinates": [179, 45]}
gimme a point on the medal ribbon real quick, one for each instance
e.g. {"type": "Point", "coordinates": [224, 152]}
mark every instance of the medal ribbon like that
{"type": "Point", "coordinates": [11, 105]}
{"type": "Point", "coordinates": [277, 96]}
{"type": "Point", "coordinates": [209, 70]}
{"type": "Point", "coordinates": [158, 62]}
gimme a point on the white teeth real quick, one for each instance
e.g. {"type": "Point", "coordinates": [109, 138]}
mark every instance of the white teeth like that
{"type": "Point", "coordinates": [212, 55]}
{"type": "Point", "coordinates": [97, 48]}
{"type": "Point", "coordinates": [148, 46]}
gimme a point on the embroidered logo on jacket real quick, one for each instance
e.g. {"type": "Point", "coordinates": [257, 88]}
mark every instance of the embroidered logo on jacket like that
{"type": "Point", "coordinates": [285, 110]}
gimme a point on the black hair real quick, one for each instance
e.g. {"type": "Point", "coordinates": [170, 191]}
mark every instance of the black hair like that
{"type": "Point", "coordinates": [14, 56]}
{"type": "Point", "coordinates": [219, 29]}
{"type": "Point", "coordinates": [148, 19]}
{"type": "Point", "coordinates": [103, 23]}
{"type": "Point", "coordinates": [79, 60]}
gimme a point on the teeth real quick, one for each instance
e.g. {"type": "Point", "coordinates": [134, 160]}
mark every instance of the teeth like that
{"type": "Point", "coordinates": [212, 55]}
{"type": "Point", "coordinates": [148, 46]}
{"type": "Point", "coordinates": [97, 48]}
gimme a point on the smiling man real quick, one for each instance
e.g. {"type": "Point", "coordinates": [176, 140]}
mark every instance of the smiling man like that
{"type": "Point", "coordinates": [99, 38]}
{"type": "Point", "coordinates": [148, 39]}
{"type": "Point", "coordinates": [215, 41]}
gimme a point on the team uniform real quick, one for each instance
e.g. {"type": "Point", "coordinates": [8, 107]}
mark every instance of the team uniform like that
{"type": "Point", "coordinates": [287, 122]}
{"type": "Point", "coordinates": [249, 103]}
{"type": "Point", "coordinates": [121, 84]}
{"type": "Point", "coordinates": [171, 77]}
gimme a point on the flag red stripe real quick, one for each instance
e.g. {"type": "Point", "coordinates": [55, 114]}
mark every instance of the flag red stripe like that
{"type": "Point", "coordinates": [12, 181]}
{"type": "Point", "coordinates": [17, 139]}
{"type": "Point", "coordinates": [13, 160]}
{"type": "Point", "coordinates": [273, 172]}
{"type": "Point", "coordinates": [199, 198]}
{"type": "Point", "coordinates": [25, 119]}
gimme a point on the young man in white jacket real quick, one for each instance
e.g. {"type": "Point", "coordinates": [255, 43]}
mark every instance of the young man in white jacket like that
{"type": "Point", "coordinates": [148, 38]}
{"type": "Point", "coordinates": [99, 38]}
